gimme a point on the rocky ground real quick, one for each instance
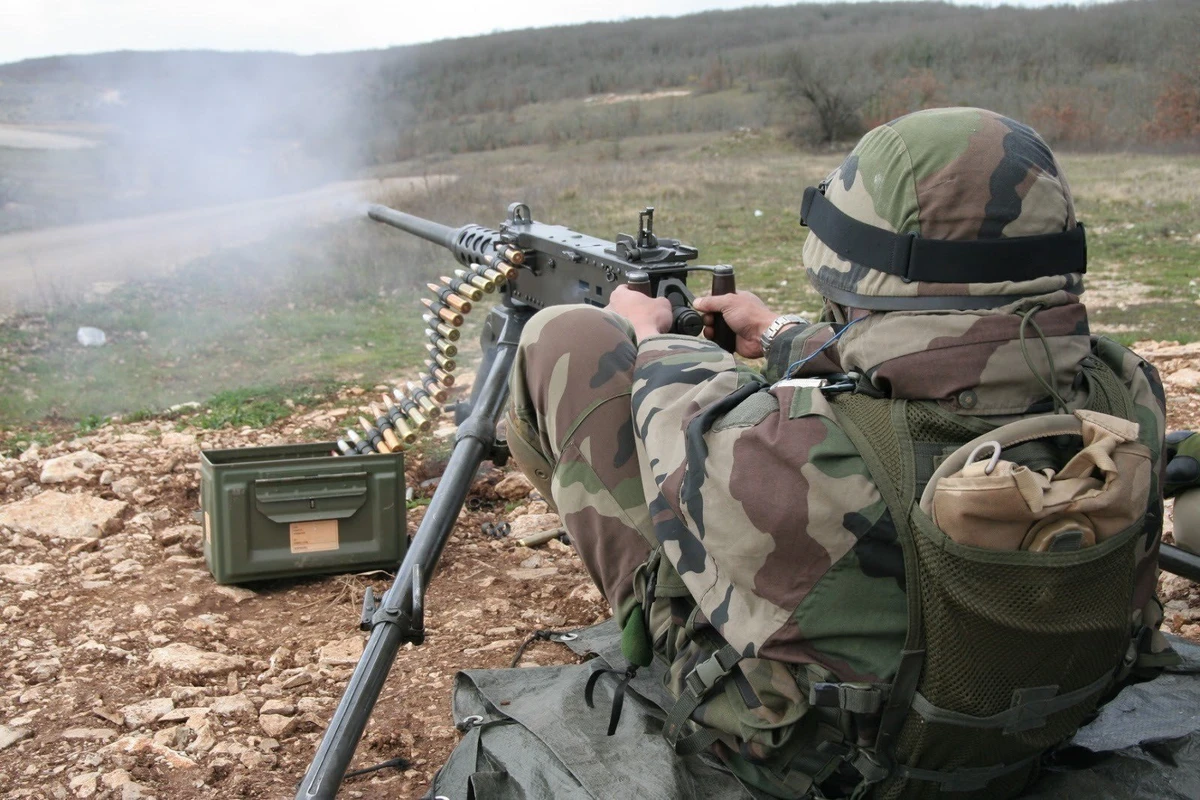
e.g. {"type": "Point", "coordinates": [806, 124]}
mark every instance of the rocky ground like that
{"type": "Point", "coordinates": [128, 673]}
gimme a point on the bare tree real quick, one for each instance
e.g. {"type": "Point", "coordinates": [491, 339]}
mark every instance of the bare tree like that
{"type": "Point", "coordinates": [831, 92]}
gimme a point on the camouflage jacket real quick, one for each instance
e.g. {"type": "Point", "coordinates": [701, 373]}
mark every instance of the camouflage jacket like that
{"type": "Point", "coordinates": [766, 509]}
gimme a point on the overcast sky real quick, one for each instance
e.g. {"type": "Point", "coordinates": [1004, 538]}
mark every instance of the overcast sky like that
{"type": "Point", "coordinates": [31, 28]}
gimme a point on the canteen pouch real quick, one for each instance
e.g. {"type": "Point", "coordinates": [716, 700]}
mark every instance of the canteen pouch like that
{"type": "Point", "coordinates": [979, 497]}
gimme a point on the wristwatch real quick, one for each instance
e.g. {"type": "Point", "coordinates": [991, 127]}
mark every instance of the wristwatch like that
{"type": "Point", "coordinates": [776, 326]}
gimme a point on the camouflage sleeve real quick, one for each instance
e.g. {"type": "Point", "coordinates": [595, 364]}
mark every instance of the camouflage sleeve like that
{"type": "Point", "coordinates": [793, 345]}
{"type": "Point", "coordinates": [756, 496]}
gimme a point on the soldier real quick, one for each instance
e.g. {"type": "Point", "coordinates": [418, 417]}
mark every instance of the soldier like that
{"type": "Point", "coordinates": [735, 522]}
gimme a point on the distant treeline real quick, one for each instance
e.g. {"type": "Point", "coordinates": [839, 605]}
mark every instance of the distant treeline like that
{"type": "Point", "coordinates": [1116, 74]}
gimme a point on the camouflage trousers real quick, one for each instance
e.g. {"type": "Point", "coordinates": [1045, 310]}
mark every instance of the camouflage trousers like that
{"type": "Point", "coordinates": [570, 429]}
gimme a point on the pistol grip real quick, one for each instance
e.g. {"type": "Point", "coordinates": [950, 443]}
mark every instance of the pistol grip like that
{"type": "Point", "coordinates": [723, 283]}
{"type": "Point", "coordinates": [638, 281]}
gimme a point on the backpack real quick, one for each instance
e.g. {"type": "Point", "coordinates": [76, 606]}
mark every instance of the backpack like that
{"type": "Point", "coordinates": [1023, 606]}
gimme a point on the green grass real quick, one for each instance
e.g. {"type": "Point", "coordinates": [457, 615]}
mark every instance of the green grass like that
{"type": "Point", "coordinates": [338, 305]}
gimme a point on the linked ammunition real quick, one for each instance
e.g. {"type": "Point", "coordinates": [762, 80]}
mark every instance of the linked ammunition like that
{"type": "Point", "coordinates": [448, 331]}
{"type": "Point", "coordinates": [511, 254]}
{"type": "Point", "coordinates": [438, 374]}
{"type": "Point", "coordinates": [384, 423]}
{"type": "Point", "coordinates": [374, 436]}
{"type": "Point", "coordinates": [361, 447]}
{"type": "Point", "coordinates": [447, 314]}
{"type": "Point", "coordinates": [441, 358]}
{"type": "Point", "coordinates": [435, 389]}
{"type": "Point", "coordinates": [498, 277]}
{"type": "Point", "coordinates": [465, 289]}
{"type": "Point", "coordinates": [441, 343]}
{"type": "Point", "coordinates": [498, 265]}
{"type": "Point", "coordinates": [399, 422]}
{"type": "Point", "coordinates": [424, 400]}
{"type": "Point", "coordinates": [411, 410]}
{"type": "Point", "coordinates": [451, 299]}
{"type": "Point", "coordinates": [344, 448]}
{"type": "Point", "coordinates": [476, 280]}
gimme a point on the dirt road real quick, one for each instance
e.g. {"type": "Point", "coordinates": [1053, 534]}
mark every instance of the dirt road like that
{"type": "Point", "coordinates": [26, 137]}
{"type": "Point", "coordinates": [38, 268]}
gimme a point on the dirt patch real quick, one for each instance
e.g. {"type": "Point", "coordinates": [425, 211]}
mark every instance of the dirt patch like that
{"type": "Point", "coordinates": [610, 99]}
{"type": "Point", "coordinates": [1114, 293]}
{"type": "Point", "coordinates": [128, 672]}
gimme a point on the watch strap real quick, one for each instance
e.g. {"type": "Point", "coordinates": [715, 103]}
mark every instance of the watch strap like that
{"type": "Point", "coordinates": [777, 324]}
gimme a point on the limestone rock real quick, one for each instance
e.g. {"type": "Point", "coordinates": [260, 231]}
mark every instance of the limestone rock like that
{"type": "Point", "coordinates": [41, 670]}
{"type": "Point", "coordinates": [147, 711]}
{"type": "Point", "coordinates": [514, 487]}
{"type": "Point", "coordinates": [1186, 378]}
{"type": "Point", "coordinates": [294, 681]}
{"type": "Point", "coordinates": [175, 439]}
{"type": "Point", "coordinates": [124, 487]}
{"type": "Point", "coordinates": [343, 653]}
{"type": "Point", "coordinates": [120, 779]}
{"type": "Point", "coordinates": [237, 594]}
{"type": "Point", "coordinates": [71, 467]}
{"type": "Point", "coordinates": [278, 706]}
{"type": "Point", "coordinates": [184, 714]}
{"type": "Point", "coordinates": [88, 733]}
{"type": "Point", "coordinates": [71, 516]}
{"type": "Point", "coordinates": [205, 740]}
{"type": "Point", "coordinates": [84, 785]}
{"type": "Point", "coordinates": [237, 705]}
{"type": "Point", "coordinates": [10, 736]}
{"type": "Point", "coordinates": [534, 523]}
{"type": "Point", "coordinates": [276, 725]}
{"type": "Point", "coordinates": [537, 574]}
{"type": "Point", "coordinates": [23, 574]}
{"type": "Point", "coordinates": [144, 744]}
{"type": "Point", "coordinates": [184, 659]}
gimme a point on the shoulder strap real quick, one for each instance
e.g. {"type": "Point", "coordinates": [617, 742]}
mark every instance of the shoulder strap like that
{"type": "Point", "coordinates": [873, 426]}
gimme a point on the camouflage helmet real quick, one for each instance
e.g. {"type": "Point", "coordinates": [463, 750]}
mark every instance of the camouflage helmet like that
{"type": "Point", "coordinates": [950, 208]}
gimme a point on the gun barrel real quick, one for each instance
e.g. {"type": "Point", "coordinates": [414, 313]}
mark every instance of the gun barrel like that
{"type": "Point", "coordinates": [418, 226]}
{"type": "Point", "coordinates": [469, 244]}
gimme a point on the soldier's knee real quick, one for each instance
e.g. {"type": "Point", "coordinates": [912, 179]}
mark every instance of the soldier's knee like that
{"type": "Point", "coordinates": [558, 320]}
{"type": "Point", "coordinates": [1187, 520]}
{"type": "Point", "coordinates": [560, 329]}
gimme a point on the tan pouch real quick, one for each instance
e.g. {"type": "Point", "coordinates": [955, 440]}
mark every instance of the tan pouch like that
{"type": "Point", "coordinates": [1003, 505]}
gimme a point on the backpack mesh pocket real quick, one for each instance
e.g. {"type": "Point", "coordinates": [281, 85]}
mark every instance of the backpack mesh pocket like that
{"type": "Point", "coordinates": [996, 622]}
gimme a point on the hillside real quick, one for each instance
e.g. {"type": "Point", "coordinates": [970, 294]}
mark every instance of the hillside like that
{"type": "Point", "coordinates": [1096, 72]}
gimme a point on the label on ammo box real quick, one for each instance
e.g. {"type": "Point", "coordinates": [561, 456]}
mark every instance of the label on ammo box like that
{"type": "Point", "coordinates": [315, 536]}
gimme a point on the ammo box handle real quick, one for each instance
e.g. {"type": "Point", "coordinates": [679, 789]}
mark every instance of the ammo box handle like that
{"type": "Point", "coordinates": [305, 497]}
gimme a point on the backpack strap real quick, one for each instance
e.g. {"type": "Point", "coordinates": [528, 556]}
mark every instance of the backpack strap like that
{"type": "Point", "coordinates": [873, 426]}
{"type": "Point", "coordinates": [697, 684]}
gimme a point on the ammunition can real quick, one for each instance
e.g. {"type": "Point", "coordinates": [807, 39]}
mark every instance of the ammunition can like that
{"type": "Point", "coordinates": [291, 510]}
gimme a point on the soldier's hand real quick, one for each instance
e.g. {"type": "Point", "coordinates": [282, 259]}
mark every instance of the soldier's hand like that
{"type": "Point", "coordinates": [1183, 464]}
{"type": "Point", "coordinates": [745, 314]}
{"type": "Point", "coordinates": [648, 315]}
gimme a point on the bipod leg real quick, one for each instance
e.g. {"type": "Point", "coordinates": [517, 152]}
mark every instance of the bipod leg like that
{"type": "Point", "coordinates": [395, 620]}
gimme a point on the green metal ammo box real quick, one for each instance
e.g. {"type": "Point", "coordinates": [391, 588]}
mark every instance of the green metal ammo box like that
{"type": "Point", "coordinates": [294, 509]}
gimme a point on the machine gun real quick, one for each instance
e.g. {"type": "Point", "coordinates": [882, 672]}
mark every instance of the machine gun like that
{"type": "Point", "coordinates": [533, 265]}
